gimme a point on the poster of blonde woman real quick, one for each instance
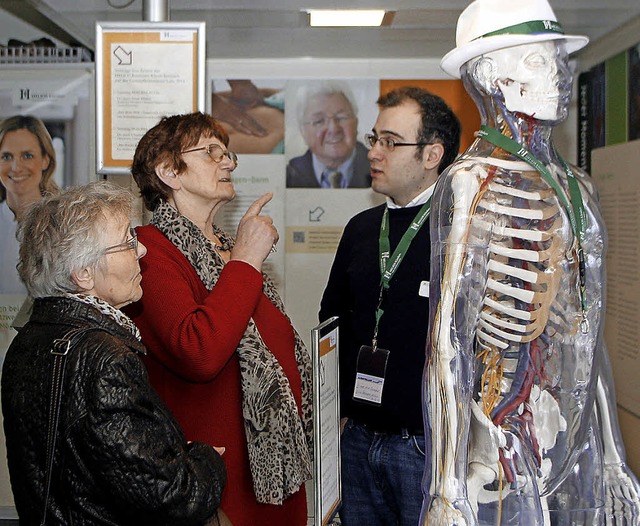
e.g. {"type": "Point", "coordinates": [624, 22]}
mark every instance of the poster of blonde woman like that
{"type": "Point", "coordinates": [45, 134]}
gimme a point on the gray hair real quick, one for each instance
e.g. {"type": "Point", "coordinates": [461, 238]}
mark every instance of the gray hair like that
{"type": "Point", "coordinates": [63, 233]}
{"type": "Point", "coordinates": [322, 87]}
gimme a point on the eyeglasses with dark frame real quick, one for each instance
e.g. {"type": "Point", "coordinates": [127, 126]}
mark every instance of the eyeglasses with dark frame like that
{"type": "Point", "coordinates": [216, 153]}
{"type": "Point", "coordinates": [387, 143]}
{"type": "Point", "coordinates": [129, 244]}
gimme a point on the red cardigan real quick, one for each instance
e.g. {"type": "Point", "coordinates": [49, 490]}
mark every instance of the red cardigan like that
{"type": "Point", "coordinates": [191, 336]}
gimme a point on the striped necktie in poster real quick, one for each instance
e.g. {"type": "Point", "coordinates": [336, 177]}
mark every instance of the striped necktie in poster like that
{"type": "Point", "coordinates": [333, 178]}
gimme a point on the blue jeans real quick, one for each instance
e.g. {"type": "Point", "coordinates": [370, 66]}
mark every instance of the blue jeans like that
{"type": "Point", "coordinates": [381, 477]}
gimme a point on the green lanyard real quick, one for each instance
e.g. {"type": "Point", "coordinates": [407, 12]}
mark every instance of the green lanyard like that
{"type": "Point", "coordinates": [575, 208]}
{"type": "Point", "coordinates": [389, 263]}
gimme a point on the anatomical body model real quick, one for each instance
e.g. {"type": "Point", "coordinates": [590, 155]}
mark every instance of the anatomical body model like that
{"type": "Point", "coordinates": [519, 401]}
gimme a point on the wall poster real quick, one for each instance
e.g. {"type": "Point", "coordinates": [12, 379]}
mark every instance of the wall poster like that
{"type": "Point", "coordinates": [614, 171]}
{"type": "Point", "coordinates": [60, 96]}
{"type": "Point", "coordinates": [286, 131]}
{"type": "Point", "coordinates": [144, 71]}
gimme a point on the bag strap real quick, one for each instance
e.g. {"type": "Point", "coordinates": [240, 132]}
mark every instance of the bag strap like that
{"type": "Point", "coordinates": [59, 349]}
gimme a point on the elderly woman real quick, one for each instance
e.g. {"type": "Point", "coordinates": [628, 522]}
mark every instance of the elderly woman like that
{"type": "Point", "coordinates": [27, 164]}
{"type": "Point", "coordinates": [105, 449]}
{"type": "Point", "coordinates": [222, 353]}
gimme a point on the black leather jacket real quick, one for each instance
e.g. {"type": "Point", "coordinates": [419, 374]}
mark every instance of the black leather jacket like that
{"type": "Point", "coordinates": [121, 458]}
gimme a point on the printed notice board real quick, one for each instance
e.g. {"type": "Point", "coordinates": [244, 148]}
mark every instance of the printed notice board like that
{"type": "Point", "coordinates": [326, 421]}
{"type": "Point", "coordinates": [144, 71]}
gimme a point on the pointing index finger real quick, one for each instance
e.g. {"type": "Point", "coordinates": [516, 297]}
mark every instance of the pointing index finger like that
{"type": "Point", "coordinates": [256, 207]}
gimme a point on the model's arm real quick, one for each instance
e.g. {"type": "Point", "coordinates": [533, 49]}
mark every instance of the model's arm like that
{"type": "Point", "coordinates": [622, 490]}
{"type": "Point", "coordinates": [450, 366]}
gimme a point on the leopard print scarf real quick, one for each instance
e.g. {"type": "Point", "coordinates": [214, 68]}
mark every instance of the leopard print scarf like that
{"type": "Point", "coordinates": [108, 310]}
{"type": "Point", "coordinates": [279, 440]}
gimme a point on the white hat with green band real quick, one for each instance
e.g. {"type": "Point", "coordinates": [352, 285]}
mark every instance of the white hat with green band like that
{"type": "Point", "coordinates": [489, 25]}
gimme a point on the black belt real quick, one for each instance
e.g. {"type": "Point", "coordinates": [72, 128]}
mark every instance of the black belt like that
{"type": "Point", "coordinates": [392, 430]}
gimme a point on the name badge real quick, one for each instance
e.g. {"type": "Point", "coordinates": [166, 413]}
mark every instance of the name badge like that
{"type": "Point", "coordinates": [371, 369]}
{"type": "Point", "coordinates": [424, 289]}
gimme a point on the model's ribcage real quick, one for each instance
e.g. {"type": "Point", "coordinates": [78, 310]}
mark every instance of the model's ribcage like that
{"type": "Point", "coordinates": [526, 305]}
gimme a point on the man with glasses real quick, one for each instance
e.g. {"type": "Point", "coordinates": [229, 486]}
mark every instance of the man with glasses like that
{"type": "Point", "coordinates": [378, 286]}
{"type": "Point", "coordinates": [327, 117]}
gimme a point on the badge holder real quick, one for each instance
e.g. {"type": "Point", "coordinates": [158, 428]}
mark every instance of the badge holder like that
{"type": "Point", "coordinates": [371, 366]}
{"type": "Point", "coordinates": [370, 373]}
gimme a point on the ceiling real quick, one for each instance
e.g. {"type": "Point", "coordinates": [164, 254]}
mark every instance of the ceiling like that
{"type": "Point", "coordinates": [279, 29]}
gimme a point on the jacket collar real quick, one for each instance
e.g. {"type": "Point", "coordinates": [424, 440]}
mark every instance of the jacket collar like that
{"type": "Point", "coordinates": [65, 311]}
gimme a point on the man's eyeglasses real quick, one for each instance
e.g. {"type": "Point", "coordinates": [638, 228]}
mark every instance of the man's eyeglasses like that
{"type": "Point", "coordinates": [216, 153]}
{"type": "Point", "coordinates": [322, 121]}
{"type": "Point", "coordinates": [386, 143]}
{"type": "Point", "coordinates": [129, 244]}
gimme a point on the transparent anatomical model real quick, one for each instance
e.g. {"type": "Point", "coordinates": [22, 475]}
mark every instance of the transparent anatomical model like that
{"type": "Point", "coordinates": [518, 391]}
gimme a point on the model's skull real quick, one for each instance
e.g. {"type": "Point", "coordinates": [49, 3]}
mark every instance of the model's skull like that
{"type": "Point", "coordinates": [534, 78]}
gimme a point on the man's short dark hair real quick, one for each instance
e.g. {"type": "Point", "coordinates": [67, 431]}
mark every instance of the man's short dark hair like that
{"type": "Point", "coordinates": [439, 123]}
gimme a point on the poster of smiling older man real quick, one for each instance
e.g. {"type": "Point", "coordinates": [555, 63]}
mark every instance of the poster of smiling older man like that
{"type": "Point", "coordinates": [328, 120]}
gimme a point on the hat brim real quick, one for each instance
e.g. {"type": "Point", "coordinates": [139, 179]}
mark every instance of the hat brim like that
{"type": "Point", "coordinates": [453, 61]}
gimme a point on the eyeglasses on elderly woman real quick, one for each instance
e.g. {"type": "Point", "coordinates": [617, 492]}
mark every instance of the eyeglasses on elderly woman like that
{"type": "Point", "coordinates": [129, 244]}
{"type": "Point", "coordinates": [216, 153]}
